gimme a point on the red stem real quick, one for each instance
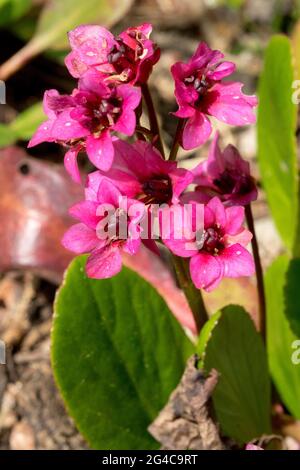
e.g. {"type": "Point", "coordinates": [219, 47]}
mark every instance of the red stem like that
{"type": "Point", "coordinates": [176, 141]}
{"type": "Point", "coordinates": [193, 295]}
{"type": "Point", "coordinates": [152, 118]}
{"type": "Point", "coordinates": [259, 273]}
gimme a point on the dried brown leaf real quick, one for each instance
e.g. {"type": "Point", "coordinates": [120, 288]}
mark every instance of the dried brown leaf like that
{"type": "Point", "coordinates": [185, 422]}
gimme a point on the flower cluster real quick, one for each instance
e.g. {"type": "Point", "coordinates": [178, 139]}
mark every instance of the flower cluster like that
{"type": "Point", "coordinates": [134, 195]}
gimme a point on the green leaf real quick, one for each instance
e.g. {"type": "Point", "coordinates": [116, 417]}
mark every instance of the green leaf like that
{"type": "Point", "coordinates": [7, 136]}
{"type": "Point", "coordinates": [277, 116]}
{"type": "Point", "coordinates": [236, 4]}
{"type": "Point", "coordinates": [292, 298]}
{"type": "Point", "coordinates": [23, 127]}
{"type": "Point", "coordinates": [11, 10]}
{"type": "Point", "coordinates": [242, 395]}
{"type": "Point", "coordinates": [285, 373]}
{"type": "Point", "coordinates": [117, 354]}
{"type": "Point", "coordinates": [58, 17]}
{"type": "Point", "coordinates": [205, 336]}
{"type": "Point", "coordinates": [27, 122]}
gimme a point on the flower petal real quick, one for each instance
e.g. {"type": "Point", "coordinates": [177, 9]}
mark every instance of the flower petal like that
{"type": "Point", "coordinates": [196, 131]}
{"type": "Point", "coordinates": [176, 231]}
{"type": "Point", "coordinates": [132, 246]}
{"type": "Point", "coordinates": [211, 168]}
{"type": "Point", "coordinates": [80, 239]}
{"type": "Point", "coordinates": [65, 128]}
{"type": "Point", "coordinates": [131, 99]}
{"type": "Point", "coordinates": [206, 271]}
{"type": "Point", "coordinates": [218, 209]}
{"type": "Point", "coordinates": [100, 150]}
{"type": "Point", "coordinates": [71, 164]}
{"type": "Point", "coordinates": [237, 261]}
{"type": "Point", "coordinates": [205, 56]}
{"type": "Point", "coordinates": [108, 193]}
{"type": "Point", "coordinates": [181, 179]}
{"type": "Point", "coordinates": [42, 134]}
{"type": "Point", "coordinates": [85, 212]}
{"type": "Point", "coordinates": [224, 69]}
{"type": "Point", "coordinates": [243, 237]}
{"type": "Point", "coordinates": [229, 104]}
{"type": "Point", "coordinates": [75, 66]}
{"type": "Point", "coordinates": [235, 216]}
{"type": "Point", "coordinates": [104, 263]}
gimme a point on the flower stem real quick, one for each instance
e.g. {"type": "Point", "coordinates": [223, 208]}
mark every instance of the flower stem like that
{"type": "Point", "coordinates": [175, 146]}
{"type": "Point", "coordinates": [144, 131]}
{"type": "Point", "coordinates": [192, 294]}
{"type": "Point", "coordinates": [138, 113]}
{"type": "Point", "coordinates": [152, 118]}
{"type": "Point", "coordinates": [259, 273]}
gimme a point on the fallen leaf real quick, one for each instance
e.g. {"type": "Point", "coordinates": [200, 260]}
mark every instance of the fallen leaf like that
{"type": "Point", "coordinates": [185, 422]}
{"type": "Point", "coordinates": [34, 200]}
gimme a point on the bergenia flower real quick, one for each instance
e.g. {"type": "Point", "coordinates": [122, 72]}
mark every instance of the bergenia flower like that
{"type": "Point", "coordinates": [216, 252]}
{"type": "Point", "coordinates": [139, 171]}
{"type": "Point", "coordinates": [226, 175]}
{"type": "Point", "coordinates": [129, 58]}
{"type": "Point", "coordinates": [253, 447]}
{"type": "Point", "coordinates": [85, 120]}
{"type": "Point", "coordinates": [109, 225]}
{"type": "Point", "coordinates": [200, 92]}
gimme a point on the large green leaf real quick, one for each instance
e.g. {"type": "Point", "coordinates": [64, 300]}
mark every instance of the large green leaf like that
{"type": "Point", "coordinates": [277, 115]}
{"type": "Point", "coordinates": [117, 353]}
{"type": "Point", "coordinates": [285, 373]}
{"type": "Point", "coordinates": [242, 396]}
{"type": "Point", "coordinates": [291, 293]}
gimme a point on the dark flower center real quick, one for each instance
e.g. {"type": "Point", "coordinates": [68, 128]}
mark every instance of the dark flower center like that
{"type": "Point", "coordinates": [226, 182]}
{"type": "Point", "coordinates": [108, 111]}
{"type": "Point", "coordinates": [96, 114]}
{"type": "Point", "coordinates": [157, 190]}
{"type": "Point", "coordinates": [124, 58]}
{"type": "Point", "coordinates": [211, 240]}
{"type": "Point", "coordinates": [198, 82]}
{"type": "Point", "coordinates": [234, 183]}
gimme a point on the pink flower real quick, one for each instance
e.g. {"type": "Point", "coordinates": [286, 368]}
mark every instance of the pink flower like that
{"type": "Point", "coordinates": [109, 225]}
{"type": "Point", "coordinates": [90, 47]}
{"type": "Point", "coordinates": [200, 92]}
{"type": "Point", "coordinates": [85, 120]}
{"type": "Point", "coordinates": [218, 250]}
{"type": "Point", "coordinates": [129, 58]}
{"type": "Point", "coordinates": [225, 174]}
{"type": "Point", "coordinates": [253, 447]}
{"type": "Point", "coordinates": [139, 171]}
